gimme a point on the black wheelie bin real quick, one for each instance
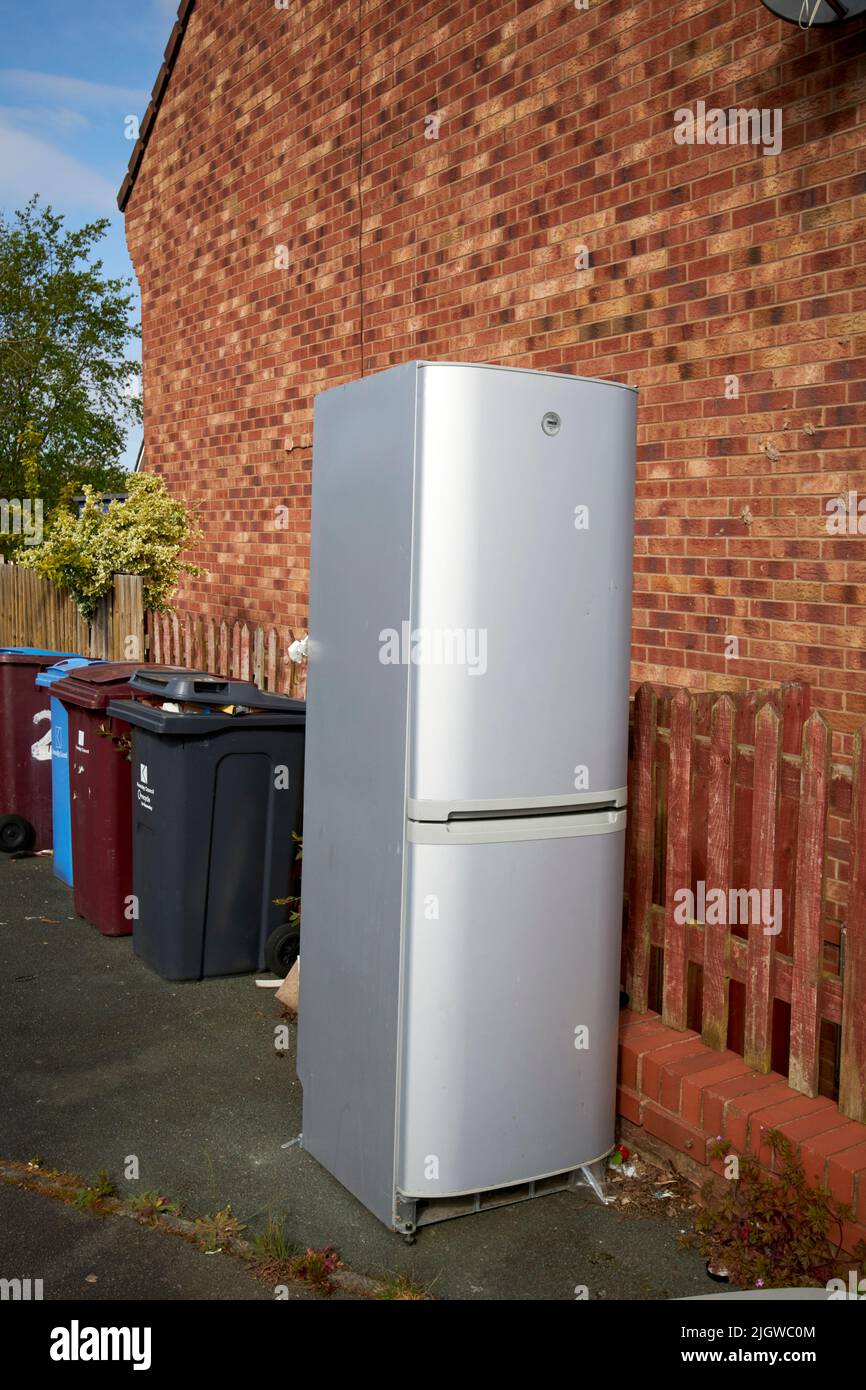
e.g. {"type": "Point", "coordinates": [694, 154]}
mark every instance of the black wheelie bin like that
{"type": "Point", "coordinates": [217, 780]}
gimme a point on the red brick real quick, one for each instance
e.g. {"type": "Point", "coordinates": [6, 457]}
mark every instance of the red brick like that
{"type": "Point", "coordinates": [846, 1170]}
{"type": "Point", "coordinates": [671, 1129]}
{"type": "Point", "coordinates": [740, 1109]}
{"type": "Point", "coordinates": [641, 1041]}
{"type": "Point", "coordinates": [630, 1018]}
{"type": "Point", "coordinates": [820, 1122]}
{"type": "Point", "coordinates": [628, 1104]}
{"type": "Point", "coordinates": [694, 1086]}
{"type": "Point", "coordinates": [796, 1108]}
{"type": "Point", "coordinates": [717, 1096]}
{"type": "Point", "coordinates": [853, 1232]}
{"type": "Point", "coordinates": [815, 1152]}
{"type": "Point", "coordinates": [655, 1064]}
{"type": "Point", "coordinates": [698, 1063]}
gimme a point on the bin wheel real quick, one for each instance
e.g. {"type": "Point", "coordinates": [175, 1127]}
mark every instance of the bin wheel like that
{"type": "Point", "coordinates": [15, 833]}
{"type": "Point", "coordinates": [282, 948]}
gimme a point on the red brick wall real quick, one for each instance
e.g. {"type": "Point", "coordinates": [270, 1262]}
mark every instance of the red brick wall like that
{"type": "Point", "coordinates": [557, 131]}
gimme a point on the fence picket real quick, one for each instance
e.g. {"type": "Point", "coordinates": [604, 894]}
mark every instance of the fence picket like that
{"type": "Point", "coordinates": [720, 830]}
{"type": "Point", "coordinates": [852, 1077]}
{"type": "Point", "coordinates": [808, 943]}
{"type": "Point", "coordinates": [760, 943]}
{"type": "Point", "coordinates": [154, 649]}
{"type": "Point", "coordinates": [642, 837]}
{"type": "Point", "coordinates": [678, 862]}
{"type": "Point", "coordinates": [272, 660]}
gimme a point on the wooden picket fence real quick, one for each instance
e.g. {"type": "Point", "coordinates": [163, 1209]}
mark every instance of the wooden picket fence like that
{"type": "Point", "coordinates": [35, 613]}
{"type": "Point", "coordinates": [742, 794]}
{"type": "Point", "coordinates": [258, 654]}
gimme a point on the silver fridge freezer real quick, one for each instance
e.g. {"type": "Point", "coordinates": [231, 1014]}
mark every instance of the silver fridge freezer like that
{"type": "Point", "coordinates": [465, 782]}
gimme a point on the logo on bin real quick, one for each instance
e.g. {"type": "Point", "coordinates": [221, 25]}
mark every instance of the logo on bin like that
{"type": "Point", "coordinates": [143, 791]}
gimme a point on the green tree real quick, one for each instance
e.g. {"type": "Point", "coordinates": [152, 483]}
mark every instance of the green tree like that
{"type": "Point", "coordinates": [67, 387]}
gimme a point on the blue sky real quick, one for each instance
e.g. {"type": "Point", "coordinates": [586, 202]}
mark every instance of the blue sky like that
{"type": "Point", "coordinates": [71, 72]}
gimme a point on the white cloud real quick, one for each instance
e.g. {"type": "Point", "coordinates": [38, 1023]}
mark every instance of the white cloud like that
{"type": "Point", "coordinates": [59, 118]}
{"type": "Point", "coordinates": [31, 165]}
{"type": "Point", "coordinates": [72, 91]}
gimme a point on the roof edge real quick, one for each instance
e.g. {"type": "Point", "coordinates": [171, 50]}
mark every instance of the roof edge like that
{"type": "Point", "coordinates": [169, 57]}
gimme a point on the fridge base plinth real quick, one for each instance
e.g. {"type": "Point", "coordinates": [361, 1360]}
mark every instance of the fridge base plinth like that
{"type": "Point", "coordinates": [411, 1213]}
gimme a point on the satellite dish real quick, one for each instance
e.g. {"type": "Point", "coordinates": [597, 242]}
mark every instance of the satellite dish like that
{"type": "Point", "coordinates": [815, 14]}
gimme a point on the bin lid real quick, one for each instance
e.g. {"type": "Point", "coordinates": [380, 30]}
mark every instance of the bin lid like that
{"type": "Point", "coordinates": [32, 656]}
{"type": "Point", "coordinates": [50, 674]}
{"type": "Point", "coordinates": [198, 688]}
{"type": "Point", "coordinates": [92, 687]}
{"type": "Point", "coordinates": [189, 724]}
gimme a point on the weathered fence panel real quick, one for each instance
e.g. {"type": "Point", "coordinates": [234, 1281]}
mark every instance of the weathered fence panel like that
{"type": "Point", "coordinates": [731, 799]}
{"type": "Point", "coordinates": [236, 650]}
{"type": "Point", "coordinates": [35, 613]}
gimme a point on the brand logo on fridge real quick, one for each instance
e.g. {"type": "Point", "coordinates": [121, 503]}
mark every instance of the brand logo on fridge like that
{"type": "Point", "coordinates": [435, 646]}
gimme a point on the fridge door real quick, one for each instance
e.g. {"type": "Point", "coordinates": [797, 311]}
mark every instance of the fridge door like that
{"type": "Point", "coordinates": [510, 1002]}
{"type": "Point", "coordinates": [518, 643]}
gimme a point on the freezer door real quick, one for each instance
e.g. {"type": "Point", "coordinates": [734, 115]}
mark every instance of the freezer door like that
{"type": "Point", "coordinates": [518, 643]}
{"type": "Point", "coordinates": [510, 1007]}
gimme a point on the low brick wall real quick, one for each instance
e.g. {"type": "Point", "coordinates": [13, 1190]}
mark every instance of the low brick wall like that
{"type": "Point", "coordinates": [682, 1095]}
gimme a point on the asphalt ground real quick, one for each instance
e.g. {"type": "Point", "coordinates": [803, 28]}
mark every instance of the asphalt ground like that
{"type": "Point", "coordinates": [103, 1062]}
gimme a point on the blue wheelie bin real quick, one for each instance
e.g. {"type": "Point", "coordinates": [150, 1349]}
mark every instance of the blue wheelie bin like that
{"type": "Point", "coordinates": [60, 807]}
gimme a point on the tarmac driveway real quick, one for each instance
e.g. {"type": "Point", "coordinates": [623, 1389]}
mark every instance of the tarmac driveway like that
{"type": "Point", "coordinates": [101, 1061]}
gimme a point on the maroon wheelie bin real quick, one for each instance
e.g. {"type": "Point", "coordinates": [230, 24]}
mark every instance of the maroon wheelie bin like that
{"type": "Point", "coordinates": [100, 788]}
{"type": "Point", "coordinates": [25, 749]}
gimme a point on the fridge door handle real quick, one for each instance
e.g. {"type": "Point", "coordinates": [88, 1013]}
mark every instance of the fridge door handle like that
{"type": "Point", "coordinates": [479, 832]}
{"type": "Point", "coordinates": [444, 810]}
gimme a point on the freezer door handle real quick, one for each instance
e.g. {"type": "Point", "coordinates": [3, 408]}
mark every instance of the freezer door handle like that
{"type": "Point", "coordinates": [485, 831]}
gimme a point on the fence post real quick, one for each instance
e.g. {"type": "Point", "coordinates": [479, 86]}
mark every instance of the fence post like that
{"type": "Point", "coordinates": [852, 1078]}
{"type": "Point", "coordinates": [127, 618]}
{"type": "Point", "coordinates": [720, 811]}
{"type": "Point", "coordinates": [99, 640]}
{"type": "Point", "coordinates": [757, 1044]}
{"type": "Point", "coordinates": [641, 818]}
{"type": "Point", "coordinates": [808, 947]}
{"type": "Point", "coordinates": [678, 862]}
